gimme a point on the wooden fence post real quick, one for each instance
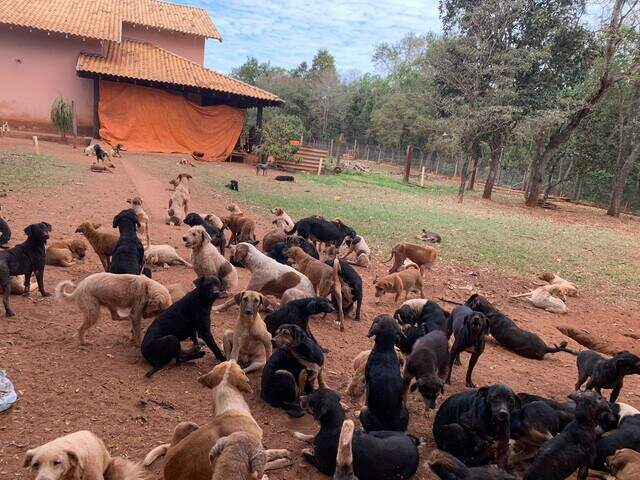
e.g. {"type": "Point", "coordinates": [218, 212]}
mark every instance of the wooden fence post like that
{"type": "Point", "coordinates": [36, 144]}
{"type": "Point", "coordinates": [422, 178]}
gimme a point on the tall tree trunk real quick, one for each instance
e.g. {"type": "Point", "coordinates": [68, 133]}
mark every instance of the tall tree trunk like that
{"type": "Point", "coordinates": [493, 171]}
{"type": "Point", "coordinates": [474, 172]}
{"type": "Point", "coordinates": [470, 157]}
{"type": "Point", "coordinates": [621, 180]}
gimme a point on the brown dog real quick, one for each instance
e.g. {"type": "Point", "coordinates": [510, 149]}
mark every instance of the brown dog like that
{"type": "Point", "coordinates": [143, 218]}
{"type": "Point", "coordinates": [64, 253]}
{"type": "Point", "coordinates": [325, 279]}
{"type": "Point", "coordinates": [407, 280]}
{"type": "Point", "coordinates": [103, 243]}
{"type": "Point", "coordinates": [423, 256]}
{"type": "Point", "coordinates": [187, 457]}
{"type": "Point", "coordinates": [625, 464]}
{"type": "Point", "coordinates": [79, 456]}
{"type": "Point", "coordinates": [242, 229]}
{"type": "Point", "coordinates": [179, 201]}
{"type": "Point", "coordinates": [250, 343]}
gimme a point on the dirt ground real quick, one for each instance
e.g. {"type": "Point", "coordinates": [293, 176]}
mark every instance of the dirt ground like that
{"type": "Point", "coordinates": [101, 387]}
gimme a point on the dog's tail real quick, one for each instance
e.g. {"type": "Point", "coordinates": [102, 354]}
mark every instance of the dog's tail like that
{"type": "Point", "coordinates": [522, 295]}
{"type": "Point", "coordinates": [446, 465]}
{"type": "Point", "coordinates": [156, 453]}
{"type": "Point", "coordinates": [344, 458]}
{"type": "Point", "coordinates": [337, 271]}
{"type": "Point", "coordinates": [122, 469]}
{"type": "Point", "coordinates": [391, 257]}
{"type": "Point", "coordinates": [561, 348]}
{"type": "Point", "coordinates": [61, 290]}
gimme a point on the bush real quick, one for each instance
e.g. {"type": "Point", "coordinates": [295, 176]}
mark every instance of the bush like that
{"type": "Point", "coordinates": [276, 135]}
{"type": "Point", "coordinates": [62, 116]}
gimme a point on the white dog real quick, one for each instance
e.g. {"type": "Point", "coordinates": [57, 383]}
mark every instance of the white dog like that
{"type": "Point", "coordinates": [163, 255]}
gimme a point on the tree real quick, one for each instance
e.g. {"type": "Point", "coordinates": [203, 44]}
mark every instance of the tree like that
{"type": "Point", "coordinates": [62, 116]}
{"type": "Point", "coordinates": [277, 134]}
{"type": "Point", "coordinates": [323, 61]}
{"type": "Point", "coordinates": [252, 71]}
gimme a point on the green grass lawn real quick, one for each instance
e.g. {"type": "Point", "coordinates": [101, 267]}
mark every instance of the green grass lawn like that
{"type": "Point", "coordinates": [19, 170]}
{"type": "Point", "coordinates": [384, 210]}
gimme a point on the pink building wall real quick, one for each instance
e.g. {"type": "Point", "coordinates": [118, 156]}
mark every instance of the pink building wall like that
{"type": "Point", "coordinates": [187, 46]}
{"type": "Point", "coordinates": [35, 68]}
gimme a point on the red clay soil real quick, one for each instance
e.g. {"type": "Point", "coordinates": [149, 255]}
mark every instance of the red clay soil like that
{"type": "Point", "coordinates": [101, 387]}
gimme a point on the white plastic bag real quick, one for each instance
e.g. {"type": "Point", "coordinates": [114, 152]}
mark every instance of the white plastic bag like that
{"type": "Point", "coordinates": [8, 394]}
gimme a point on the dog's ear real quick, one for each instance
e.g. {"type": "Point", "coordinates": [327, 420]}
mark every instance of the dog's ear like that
{"type": "Point", "coordinates": [74, 462]}
{"type": "Point", "coordinates": [263, 300]}
{"type": "Point", "coordinates": [374, 329]}
{"type": "Point", "coordinates": [29, 230]}
{"type": "Point", "coordinates": [238, 297]}
{"type": "Point", "coordinates": [129, 200]}
{"type": "Point", "coordinates": [239, 379]}
{"type": "Point", "coordinates": [198, 282]}
{"type": "Point", "coordinates": [47, 225]}
{"type": "Point", "coordinates": [28, 457]}
{"type": "Point", "coordinates": [116, 219]}
{"type": "Point", "coordinates": [213, 378]}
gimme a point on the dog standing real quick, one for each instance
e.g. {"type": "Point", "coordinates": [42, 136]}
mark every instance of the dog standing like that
{"type": "Point", "coordinates": [407, 281]}
{"type": "Point", "coordinates": [470, 330]}
{"type": "Point", "coordinates": [103, 243]}
{"type": "Point", "coordinates": [143, 218]}
{"type": "Point", "coordinates": [179, 201]}
{"type": "Point", "coordinates": [128, 256]}
{"type": "Point", "coordinates": [428, 364]}
{"type": "Point", "coordinates": [422, 255]}
{"type": "Point", "coordinates": [603, 373]}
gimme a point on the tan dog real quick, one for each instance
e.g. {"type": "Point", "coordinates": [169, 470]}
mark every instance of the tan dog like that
{"type": "Point", "coordinates": [358, 385]}
{"type": "Point", "coordinates": [207, 260]}
{"type": "Point", "coordinates": [325, 279]}
{"type": "Point", "coordinates": [177, 291]}
{"type": "Point", "coordinates": [270, 277]}
{"type": "Point", "coordinates": [103, 243]}
{"type": "Point", "coordinates": [282, 215]}
{"type": "Point", "coordinates": [234, 209]}
{"type": "Point", "coordinates": [546, 298]}
{"type": "Point", "coordinates": [242, 229]}
{"type": "Point", "coordinates": [17, 285]}
{"type": "Point", "coordinates": [213, 220]}
{"type": "Point", "coordinates": [179, 201]}
{"type": "Point", "coordinates": [422, 255]}
{"type": "Point", "coordinates": [239, 456]}
{"type": "Point", "coordinates": [274, 236]}
{"type": "Point", "coordinates": [163, 255]}
{"type": "Point", "coordinates": [64, 253]}
{"type": "Point", "coordinates": [567, 288]}
{"type": "Point", "coordinates": [407, 281]}
{"type": "Point", "coordinates": [625, 464]}
{"type": "Point", "coordinates": [141, 295]}
{"type": "Point", "coordinates": [187, 457]}
{"type": "Point", "coordinates": [79, 456]}
{"type": "Point", "coordinates": [361, 249]}
{"type": "Point", "coordinates": [143, 218]}
{"type": "Point", "coordinates": [250, 343]}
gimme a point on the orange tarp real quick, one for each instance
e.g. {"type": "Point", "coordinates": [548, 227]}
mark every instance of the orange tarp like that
{"type": "Point", "coordinates": [154, 120]}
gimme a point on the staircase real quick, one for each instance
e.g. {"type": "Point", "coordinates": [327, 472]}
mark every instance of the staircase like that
{"type": "Point", "coordinates": [306, 160]}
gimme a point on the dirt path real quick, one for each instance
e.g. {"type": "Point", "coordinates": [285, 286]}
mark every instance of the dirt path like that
{"type": "Point", "coordinates": [101, 387]}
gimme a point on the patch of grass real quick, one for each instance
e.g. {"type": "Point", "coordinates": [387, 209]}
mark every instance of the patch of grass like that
{"type": "Point", "coordinates": [29, 171]}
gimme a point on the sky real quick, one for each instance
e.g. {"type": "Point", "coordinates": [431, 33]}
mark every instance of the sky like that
{"type": "Point", "coordinates": [288, 32]}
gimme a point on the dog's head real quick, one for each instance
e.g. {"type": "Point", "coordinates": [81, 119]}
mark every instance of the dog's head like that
{"type": "Point", "coordinates": [208, 287]}
{"type": "Point", "coordinates": [480, 304]}
{"type": "Point", "coordinates": [239, 254]}
{"type": "Point", "coordinates": [78, 247]}
{"type": "Point", "coordinates": [619, 460]}
{"type": "Point", "coordinates": [135, 201]}
{"type": "Point", "coordinates": [241, 452]}
{"type": "Point", "coordinates": [547, 276]}
{"type": "Point", "coordinates": [233, 208]}
{"type": "Point", "coordinates": [288, 337]}
{"type": "Point", "coordinates": [476, 325]}
{"type": "Point", "coordinates": [627, 363]}
{"type": "Point", "coordinates": [323, 404]}
{"type": "Point", "coordinates": [53, 461]}
{"type": "Point", "coordinates": [38, 232]}
{"type": "Point", "coordinates": [318, 305]}
{"type": "Point", "coordinates": [183, 177]}
{"type": "Point", "coordinates": [429, 389]}
{"type": "Point", "coordinates": [295, 253]}
{"type": "Point", "coordinates": [250, 302]}
{"type": "Point", "coordinates": [192, 219]}
{"type": "Point", "coordinates": [405, 315]}
{"type": "Point", "coordinates": [126, 217]}
{"type": "Point", "coordinates": [384, 284]}
{"type": "Point", "coordinates": [87, 227]}
{"type": "Point", "coordinates": [385, 327]}
{"type": "Point", "coordinates": [226, 374]}
{"type": "Point", "coordinates": [277, 211]}
{"type": "Point", "coordinates": [346, 230]}
{"type": "Point", "coordinates": [158, 299]}
{"type": "Point", "coordinates": [494, 403]}
{"type": "Point", "coordinates": [196, 237]}
{"type": "Point", "coordinates": [592, 406]}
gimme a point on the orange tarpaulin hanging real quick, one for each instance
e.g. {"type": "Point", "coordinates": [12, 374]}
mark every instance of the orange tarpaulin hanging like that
{"type": "Point", "coordinates": [154, 120]}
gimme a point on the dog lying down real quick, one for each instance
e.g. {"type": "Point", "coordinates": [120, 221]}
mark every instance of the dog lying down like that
{"type": "Point", "coordinates": [17, 285]}
{"type": "Point", "coordinates": [566, 287]}
{"type": "Point", "coordinates": [545, 298]}
{"type": "Point", "coordinates": [163, 255]}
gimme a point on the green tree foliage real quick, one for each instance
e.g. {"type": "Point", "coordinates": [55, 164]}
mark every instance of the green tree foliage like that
{"type": "Point", "coordinates": [62, 116]}
{"type": "Point", "coordinates": [277, 134]}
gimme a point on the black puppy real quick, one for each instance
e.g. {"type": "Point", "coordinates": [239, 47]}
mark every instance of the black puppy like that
{"type": "Point", "coordinates": [101, 154]}
{"type": "Point", "coordinates": [322, 230]}
{"type": "Point", "coordinates": [432, 317]}
{"type": "Point", "coordinates": [217, 235]}
{"type": "Point", "coordinates": [304, 244]}
{"type": "Point", "coordinates": [384, 408]}
{"type": "Point", "coordinates": [469, 423]}
{"type": "Point", "coordinates": [625, 435]}
{"type": "Point", "coordinates": [5, 233]}
{"type": "Point", "coordinates": [603, 373]}
{"type": "Point", "coordinates": [285, 178]}
{"type": "Point", "coordinates": [409, 311]}
{"type": "Point", "coordinates": [575, 447]}
{"type": "Point", "coordinates": [428, 364]}
{"type": "Point", "coordinates": [292, 369]}
{"type": "Point", "coordinates": [128, 256]}
{"type": "Point", "coordinates": [232, 185]}
{"type": "Point", "coordinates": [510, 335]}
{"type": "Point", "coordinates": [353, 280]}
{"type": "Point", "coordinates": [470, 330]}
{"type": "Point", "coordinates": [448, 467]}
{"type": "Point", "coordinates": [24, 259]}
{"type": "Point", "coordinates": [379, 455]}
{"type": "Point", "coordinates": [297, 312]}
{"type": "Point", "coordinates": [189, 317]}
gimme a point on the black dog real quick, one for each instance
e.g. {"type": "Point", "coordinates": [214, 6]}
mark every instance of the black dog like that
{"type": "Point", "coordinates": [575, 447]}
{"type": "Point", "coordinates": [566, 411]}
{"type": "Point", "coordinates": [603, 373]}
{"type": "Point", "coordinates": [277, 253]}
{"type": "Point", "coordinates": [468, 423]}
{"type": "Point", "coordinates": [304, 244]}
{"type": "Point", "coordinates": [232, 185]}
{"type": "Point", "coordinates": [428, 364]}
{"type": "Point", "coordinates": [625, 435]}
{"type": "Point", "coordinates": [434, 317]}
{"type": "Point", "coordinates": [322, 230]}
{"type": "Point", "coordinates": [399, 450]}
{"type": "Point", "coordinates": [285, 178]}
{"type": "Point", "coordinates": [292, 369]}
{"type": "Point", "coordinates": [470, 330]}
{"type": "Point", "coordinates": [217, 235]}
{"type": "Point", "coordinates": [411, 335]}
{"type": "Point", "coordinates": [353, 280]}
{"type": "Point", "coordinates": [189, 317]}
{"type": "Point", "coordinates": [409, 312]}
{"type": "Point", "coordinates": [448, 467]}
{"type": "Point", "coordinates": [510, 335]}
{"type": "Point", "coordinates": [101, 154]}
{"type": "Point", "coordinates": [384, 408]}
{"type": "Point", "coordinates": [5, 233]}
{"type": "Point", "coordinates": [24, 259]}
{"type": "Point", "coordinates": [297, 312]}
{"type": "Point", "coordinates": [128, 256]}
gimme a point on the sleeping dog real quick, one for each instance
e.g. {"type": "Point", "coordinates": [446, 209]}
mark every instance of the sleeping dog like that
{"type": "Point", "coordinates": [448, 467]}
{"type": "Point", "coordinates": [292, 369]}
{"type": "Point", "coordinates": [379, 455]}
{"type": "Point", "coordinates": [128, 255]}
{"type": "Point", "coordinates": [470, 330]}
{"type": "Point", "coordinates": [24, 259]}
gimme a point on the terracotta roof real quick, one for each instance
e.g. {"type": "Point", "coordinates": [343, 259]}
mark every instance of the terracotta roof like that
{"type": "Point", "coordinates": [144, 61]}
{"type": "Point", "coordinates": [102, 19]}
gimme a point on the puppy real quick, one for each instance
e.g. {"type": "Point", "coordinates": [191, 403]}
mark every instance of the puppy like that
{"type": "Point", "coordinates": [190, 317]}
{"type": "Point", "coordinates": [407, 281]}
{"type": "Point", "coordinates": [163, 255]}
{"type": "Point", "coordinates": [216, 233]}
{"type": "Point", "coordinates": [64, 253]}
{"type": "Point", "coordinates": [207, 260]}
{"type": "Point", "coordinates": [143, 218]}
{"type": "Point", "coordinates": [357, 385]}
{"type": "Point", "coordinates": [297, 312]}
{"type": "Point", "coordinates": [117, 149]}
{"type": "Point", "coordinates": [141, 295]}
{"type": "Point", "coordinates": [232, 185]}
{"type": "Point", "coordinates": [24, 259]}
{"type": "Point", "coordinates": [384, 409]}
{"type": "Point", "coordinates": [250, 343]}
{"type": "Point", "coordinates": [470, 330]}
{"type": "Point", "coordinates": [448, 467]}
{"type": "Point", "coordinates": [428, 364]}
{"type": "Point", "coordinates": [128, 256]}
{"type": "Point", "coordinates": [359, 246]}
{"type": "Point", "coordinates": [603, 373]}
{"type": "Point", "coordinates": [79, 456]}
{"type": "Point", "coordinates": [625, 464]}
{"type": "Point", "coordinates": [103, 243]}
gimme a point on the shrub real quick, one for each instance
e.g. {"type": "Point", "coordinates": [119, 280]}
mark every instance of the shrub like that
{"type": "Point", "coordinates": [62, 116]}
